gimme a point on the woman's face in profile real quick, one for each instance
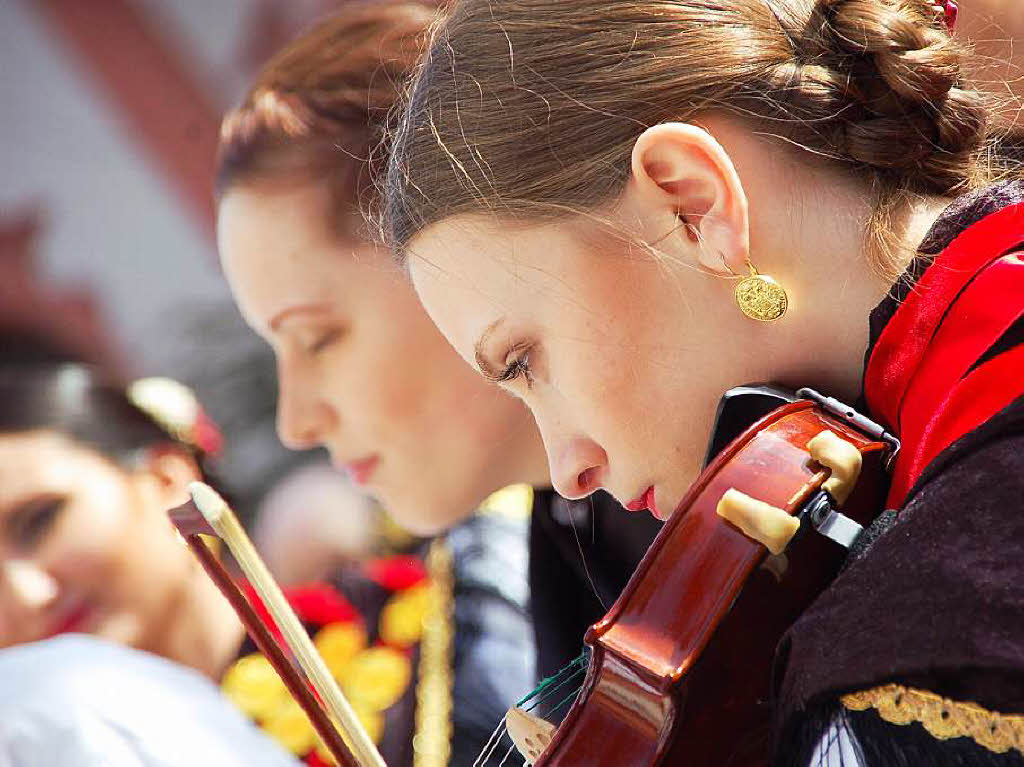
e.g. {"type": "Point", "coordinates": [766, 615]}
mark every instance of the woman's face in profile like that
{"type": "Point", "coordinates": [84, 545]}
{"type": "Point", "coordinates": [362, 370]}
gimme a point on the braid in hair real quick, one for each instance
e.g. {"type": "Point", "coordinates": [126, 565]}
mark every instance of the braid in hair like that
{"type": "Point", "coordinates": [879, 82]}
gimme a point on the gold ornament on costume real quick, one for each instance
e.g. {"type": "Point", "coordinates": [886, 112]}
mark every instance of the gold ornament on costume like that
{"type": "Point", "coordinates": [401, 620]}
{"type": "Point", "coordinates": [253, 685]}
{"type": "Point", "coordinates": [760, 297]}
{"type": "Point", "coordinates": [513, 501]}
{"type": "Point", "coordinates": [338, 644]}
{"type": "Point", "coordinates": [377, 677]}
{"type": "Point", "coordinates": [434, 704]}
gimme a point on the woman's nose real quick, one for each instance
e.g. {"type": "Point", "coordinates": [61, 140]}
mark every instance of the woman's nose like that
{"type": "Point", "coordinates": [29, 585]}
{"type": "Point", "coordinates": [578, 467]}
{"type": "Point", "coordinates": [303, 420]}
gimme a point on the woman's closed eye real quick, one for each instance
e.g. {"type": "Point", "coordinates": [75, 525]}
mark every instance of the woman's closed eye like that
{"type": "Point", "coordinates": [324, 340]}
{"type": "Point", "coordinates": [28, 525]}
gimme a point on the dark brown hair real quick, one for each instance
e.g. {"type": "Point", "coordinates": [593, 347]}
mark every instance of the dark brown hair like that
{"type": "Point", "coordinates": [531, 107]}
{"type": "Point", "coordinates": [316, 110]}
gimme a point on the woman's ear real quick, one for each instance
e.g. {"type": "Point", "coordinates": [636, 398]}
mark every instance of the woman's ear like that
{"type": "Point", "coordinates": [681, 170]}
{"type": "Point", "coordinates": [169, 471]}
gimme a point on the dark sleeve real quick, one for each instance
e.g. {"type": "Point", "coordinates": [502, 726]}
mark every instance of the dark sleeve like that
{"type": "Point", "coordinates": [493, 662]}
{"type": "Point", "coordinates": [937, 603]}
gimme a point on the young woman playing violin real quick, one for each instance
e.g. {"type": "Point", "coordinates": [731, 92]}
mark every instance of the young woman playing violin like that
{"type": "Point", "coordinates": [618, 209]}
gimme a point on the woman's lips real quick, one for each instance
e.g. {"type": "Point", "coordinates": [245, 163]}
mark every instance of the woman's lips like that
{"type": "Point", "coordinates": [644, 503]}
{"type": "Point", "coordinates": [74, 620]}
{"type": "Point", "coordinates": [362, 470]}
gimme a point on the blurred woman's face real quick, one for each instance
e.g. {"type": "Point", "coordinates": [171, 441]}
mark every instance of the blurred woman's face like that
{"type": "Point", "coordinates": [362, 370]}
{"type": "Point", "coordinates": [85, 546]}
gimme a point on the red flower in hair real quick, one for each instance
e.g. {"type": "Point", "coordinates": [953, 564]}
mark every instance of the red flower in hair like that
{"type": "Point", "coordinates": [206, 435]}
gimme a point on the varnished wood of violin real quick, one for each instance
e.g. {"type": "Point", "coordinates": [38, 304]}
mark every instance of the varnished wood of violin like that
{"type": "Point", "coordinates": [681, 666]}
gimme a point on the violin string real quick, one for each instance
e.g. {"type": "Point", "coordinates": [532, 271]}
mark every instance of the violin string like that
{"type": "Point", "coordinates": [577, 662]}
{"type": "Point", "coordinates": [563, 701]}
{"type": "Point", "coordinates": [491, 745]}
{"type": "Point", "coordinates": [548, 693]}
{"type": "Point", "coordinates": [507, 755]}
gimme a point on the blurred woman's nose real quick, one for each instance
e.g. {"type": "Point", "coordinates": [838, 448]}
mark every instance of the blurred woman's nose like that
{"type": "Point", "coordinates": [30, 586]}
{"type": "Point", "coordinates": [577, 466]}
{"type": "Point", "coordinates": [303, 419]}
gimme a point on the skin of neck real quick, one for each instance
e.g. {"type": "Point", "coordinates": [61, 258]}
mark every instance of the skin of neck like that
{"type": "Point", "coordinates": [200, 628]}
{"type": "Point", "coordinates": [808, 227]}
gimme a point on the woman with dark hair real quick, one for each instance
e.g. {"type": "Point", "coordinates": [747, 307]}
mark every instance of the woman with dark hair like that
{"type": "Point", "coordinates": [86, 476]}
{"type": "Point", "coordinates": [88, 470]}
{"type": "Point", "coordinates": [619, 209]}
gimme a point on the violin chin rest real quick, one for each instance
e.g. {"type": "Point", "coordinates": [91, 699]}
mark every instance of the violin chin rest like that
{"type": "Point", "coordinates": [769, 525]}
{"type": "Point", "coordinates": [530, 733]}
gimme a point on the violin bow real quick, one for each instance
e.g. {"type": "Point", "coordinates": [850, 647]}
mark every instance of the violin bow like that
{"type": "Point", "coordinates": [335, 721]}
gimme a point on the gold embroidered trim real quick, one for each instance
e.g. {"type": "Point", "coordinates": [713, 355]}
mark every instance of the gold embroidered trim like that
{"type": "Point", "coordinates": [941, 717]}
{"type": "Point", "coordinates": [432, 741]}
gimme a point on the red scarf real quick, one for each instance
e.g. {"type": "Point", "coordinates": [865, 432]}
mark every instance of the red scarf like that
{"type": "Point", "coordinates": [922, 378]}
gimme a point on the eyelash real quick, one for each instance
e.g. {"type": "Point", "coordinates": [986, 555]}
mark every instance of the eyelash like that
{"type": "Point", "coordinates": [520, 366]}
{"type": "Point", "coordinates": [36, 521]}
{"type": "Point", "coordinates": [323, 342]}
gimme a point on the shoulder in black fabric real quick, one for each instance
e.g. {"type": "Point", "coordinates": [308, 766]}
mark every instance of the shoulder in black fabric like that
{"type": "Point", "coordinates": [937, 602]}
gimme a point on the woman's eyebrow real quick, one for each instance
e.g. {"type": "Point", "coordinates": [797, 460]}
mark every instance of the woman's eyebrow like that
{"type": "Point", "coordinates": [486, 368]}
{"type": "Point", "coordinates": [275, 321]}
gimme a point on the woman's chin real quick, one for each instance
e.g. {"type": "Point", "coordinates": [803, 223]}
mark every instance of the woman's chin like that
{"type": "Point", "coordinates": [423, 520]}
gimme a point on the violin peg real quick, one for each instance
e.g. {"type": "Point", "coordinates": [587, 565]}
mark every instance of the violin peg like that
{"type": "Point", "coordinates": [842, 458]}
{"type": "Point", "coordinates": [768, 525]}
{"type": "Point", "coordinates": [530, 733]}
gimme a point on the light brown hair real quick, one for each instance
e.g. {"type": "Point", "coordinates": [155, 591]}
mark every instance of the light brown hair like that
{"type": "Point", "coordinates": [317, 109]}
{"type": "Point", "coordinates": [530, 108]}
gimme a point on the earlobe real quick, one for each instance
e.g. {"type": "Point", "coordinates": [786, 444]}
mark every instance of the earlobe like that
{"type": "Point", "coordinates": [684, 170]}
{"type": "Point", "coordinates": [172, 470]}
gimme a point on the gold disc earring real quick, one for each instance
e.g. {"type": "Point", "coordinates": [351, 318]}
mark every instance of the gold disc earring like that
{"type": "Point", "coordinates": [760, 297]}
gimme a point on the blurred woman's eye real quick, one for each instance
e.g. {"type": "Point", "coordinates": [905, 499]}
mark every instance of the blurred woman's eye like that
{"type": "Point", "coordinates": [32, 520]}
{"type": "Point", "coordinates": [323, 341]}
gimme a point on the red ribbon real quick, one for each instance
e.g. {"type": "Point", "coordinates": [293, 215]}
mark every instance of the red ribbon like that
{"type": "Point", "coordinates": [922, 378]}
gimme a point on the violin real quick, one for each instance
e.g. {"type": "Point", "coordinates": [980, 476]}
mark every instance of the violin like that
{"type": "Point", "coordinates": [680, 668]}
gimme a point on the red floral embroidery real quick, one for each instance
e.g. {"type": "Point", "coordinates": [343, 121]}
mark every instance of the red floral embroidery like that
{"type": "Point", "coordinates": [318, 603]}
{"type": "Point", "coordinates": [396, 573]}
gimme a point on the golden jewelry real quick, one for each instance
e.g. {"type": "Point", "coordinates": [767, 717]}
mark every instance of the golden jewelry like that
{"type": "Point", "coordinates": [760, 297]}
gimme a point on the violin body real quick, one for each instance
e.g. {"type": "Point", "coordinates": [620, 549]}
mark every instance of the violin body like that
{"type": "Point", "coordinates": [680, 670]}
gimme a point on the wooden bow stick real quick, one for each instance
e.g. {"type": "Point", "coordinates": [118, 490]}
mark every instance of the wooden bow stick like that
{"type": "Point", "coordinates": [358, 749]}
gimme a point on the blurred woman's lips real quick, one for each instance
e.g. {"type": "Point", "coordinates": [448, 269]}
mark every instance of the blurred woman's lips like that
{"type": "Point", "coordinates": [361, 470]}
{"type": "Point", "coordinates": [75, 619]}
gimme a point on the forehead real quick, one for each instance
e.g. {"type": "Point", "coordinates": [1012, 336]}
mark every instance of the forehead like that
{"type": "Point", "coordinates": [40, 460]}
{"type": "Point", "coordinates": [468, 271]}
{"type": "Point", "coordinates": [278, 247]}
{"type": "Point", "coordinates": [471, 270]}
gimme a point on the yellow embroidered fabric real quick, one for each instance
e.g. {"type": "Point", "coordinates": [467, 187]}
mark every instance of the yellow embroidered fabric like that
{"type": "Point", "coordinates": [373, 678]}
{"type": "Point", "coordinates": [941, 717]}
